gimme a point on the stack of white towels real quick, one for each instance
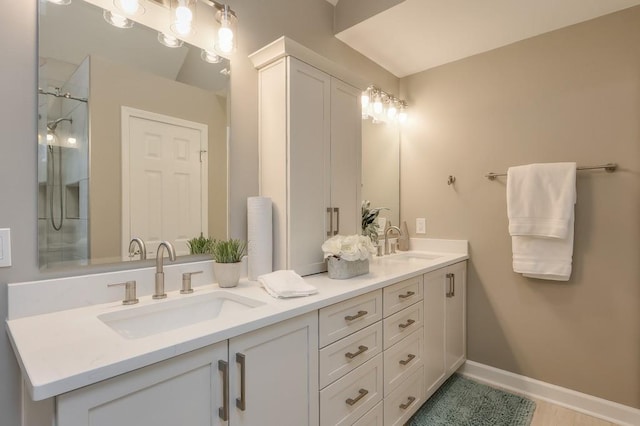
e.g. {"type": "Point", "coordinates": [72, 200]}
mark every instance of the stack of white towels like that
{"type": "Point", "coordinates": [540, 206]}
{"type": "Point", "coordinates": [286, 283]}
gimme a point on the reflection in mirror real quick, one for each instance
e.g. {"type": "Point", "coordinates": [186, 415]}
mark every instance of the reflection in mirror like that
{"type": "Point", "coordinates": [132, 140]}
{"type": "Point", "coordinates": [381, 168]}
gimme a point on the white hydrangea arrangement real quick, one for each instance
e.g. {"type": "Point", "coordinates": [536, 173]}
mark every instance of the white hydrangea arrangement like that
{"type": "Point", "coordinates": [349, 247]}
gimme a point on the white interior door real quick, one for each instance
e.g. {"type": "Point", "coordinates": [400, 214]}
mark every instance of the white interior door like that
{"type": "Point", "coordinates": [164, 183]}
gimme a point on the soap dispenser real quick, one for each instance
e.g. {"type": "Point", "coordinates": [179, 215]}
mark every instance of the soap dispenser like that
{"type": "Point", "coordinates": [403, 239]}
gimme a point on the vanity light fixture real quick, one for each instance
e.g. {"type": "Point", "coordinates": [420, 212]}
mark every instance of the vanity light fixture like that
{"type": "Point", "coordinates": [183, 14]}
{"type": "Point", "coordinates": [129, 7]}
{"type": "Point", "coordinates": [169, 40]}
{"type": "Point", "coordinates": [226, 40]}
{"type": "Point", "coordinates": [382, 107]}
{"type": "Point", "coordinates": [117, 20]}
{"type": "Point", "coordinates": [60, 2]}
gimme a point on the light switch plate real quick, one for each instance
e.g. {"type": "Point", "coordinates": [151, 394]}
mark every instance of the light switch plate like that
{"type": "Point", "coordinates": [5, 247]}
{"type": "Point", "coordinates": [421, 225]}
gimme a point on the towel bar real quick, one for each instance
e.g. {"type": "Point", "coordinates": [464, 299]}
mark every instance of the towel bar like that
{"type": "Point", "coordinates": [609, 167]}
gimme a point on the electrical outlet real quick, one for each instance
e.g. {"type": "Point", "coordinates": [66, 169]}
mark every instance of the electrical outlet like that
{"type": "Point", "coordinates": [421, 225]}
{"type": "Point", "coordinates": [5, 247]}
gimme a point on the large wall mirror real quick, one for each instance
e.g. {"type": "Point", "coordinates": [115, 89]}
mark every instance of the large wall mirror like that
{"type": "Point", "coordinates": [381, 168]}
{"type": "Point", "coordinates": [132, 139]}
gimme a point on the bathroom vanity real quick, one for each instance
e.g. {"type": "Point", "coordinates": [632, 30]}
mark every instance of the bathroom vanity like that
{"type": "Point", "coordinates": [369, 350]}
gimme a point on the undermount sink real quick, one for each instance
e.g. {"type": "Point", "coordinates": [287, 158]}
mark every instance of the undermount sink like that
{"type": "Point", "coordinates": [414, 257]}
{"type": "Point", "coordinates": [158, 317]}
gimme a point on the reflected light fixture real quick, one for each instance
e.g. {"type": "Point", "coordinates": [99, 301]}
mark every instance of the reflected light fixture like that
{"type": "Point", "coordinates": [402, 115]}
{"type": "Point", "coordinates": [392, 110]}
{"type": "Point", "coordinates": [226, 40]}
{"type": "Point", "coordinates": [210, 57]}
{"type": "Point", "coordinates": [183, 13]}
{"type": "Point", "coordinates": [117, 20]}
{"type": "Point", "coordinates": [377, 102]}
{"type": "Point", "coordinates": [60, 2]}
{"type": "Point", "coordinates": [169, 40]}
{"type": "Point", "coordinates": [364, 101]}
{"type": "Point", "coordinates": [129, 7]}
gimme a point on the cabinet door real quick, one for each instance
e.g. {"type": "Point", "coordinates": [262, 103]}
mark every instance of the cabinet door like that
{"type": "Point", "coordinates": [434, 330]}
{"type": "Point", "coordinates": [456, 330]}
{"type": "Point", "coordinates": [346, 157]}
{"type": "Point", "coordinates": [185, 390]}
{"type": "Point", "coordinates": [274, 374]}
{"type": "Point", "coordinates": [309, 166]}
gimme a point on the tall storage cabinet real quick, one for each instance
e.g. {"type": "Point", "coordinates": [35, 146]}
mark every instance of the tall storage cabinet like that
{"type": "Point", "coordinates": [310, 156]}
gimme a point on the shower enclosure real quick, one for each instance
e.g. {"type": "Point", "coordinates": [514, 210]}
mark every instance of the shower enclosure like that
{"type": "Point", "coordinates": [63, 163]}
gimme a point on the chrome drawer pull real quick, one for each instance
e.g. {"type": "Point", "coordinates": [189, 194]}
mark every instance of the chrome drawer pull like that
{"type": "Point", "coordinates": [361, 349]}
{"type": "Point", "coordinates": [408, 403]}
{"type": "Point", "coordinates": [406, 324]}
{"type": "Point", "coordinates": [407, 294]}
{"type": "Point", "coordinates": [362, 393]}
{"type": "Point", "coordinates": [360, 314]}
{"type": "Point", "coordinates": [410, 358]}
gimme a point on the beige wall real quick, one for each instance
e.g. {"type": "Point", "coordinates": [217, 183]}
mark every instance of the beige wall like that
{"type": "Point", "coordinates": [114, 86]}
{"type": "Point", "coordinates": [570, 95]}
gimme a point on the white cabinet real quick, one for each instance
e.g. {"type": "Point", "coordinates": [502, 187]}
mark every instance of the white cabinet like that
{"type": "Point", "coordinates": [275, 378]}
{"type": "Point", "coordinates": [445, 323]}
{"type": "Point", "coordinates": [310, 154]}
{"type": "Point", "coordinates": [187, 389]}
{"type": "Point", "coordinates": [201, 388]}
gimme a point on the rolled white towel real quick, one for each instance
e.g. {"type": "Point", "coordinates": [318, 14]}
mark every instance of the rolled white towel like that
{"type": "Point", "coordinates": [286, 283]}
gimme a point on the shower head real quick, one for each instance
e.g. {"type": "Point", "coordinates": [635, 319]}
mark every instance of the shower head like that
{"type": "Point", "coordinates": [51, 125]}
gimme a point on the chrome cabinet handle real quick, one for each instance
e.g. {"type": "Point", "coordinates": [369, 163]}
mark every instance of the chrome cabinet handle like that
{"type": "Point", "coordinates": [407, 294]}
{"type": "Point", "coordinates": [449, 289]}
{"type": "Point", "coordinates": [330, 231]}
{"type": "Point", "coordinates": [337, 211]}
{"type": "Point", "coordinates": [410, 358]}
{"type": "Point", "coordinates": [223, 412]}
{"type": "Point", "coordinates": [361, 349]}
{"type": "Point", "coordinates": [408, 403]}
{"type": "Point", "coordinates": [241, 402]}
{"type": "Point", "coordinates": [356, 316]}
{"type": "Point", "coordinates": [361, 392]}
{"type": "Point", "coordinates": [406, 324]}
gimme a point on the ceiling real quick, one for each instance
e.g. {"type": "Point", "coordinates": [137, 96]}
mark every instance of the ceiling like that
{"type": "Point", "coordinates": [416, 35]}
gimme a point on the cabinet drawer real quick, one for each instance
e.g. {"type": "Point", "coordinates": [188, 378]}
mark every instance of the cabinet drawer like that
{"type": "Point", "coordinates": [344, 318]}
{"type": "Point", "coordinates": [349, 398]}
{"type": "Point", "coordinates": [374, 417]}
{"type": "Point", "coordinates": [399, 325]}
{"type": "Point", "coordinates": [346, 354]}
{"type": "Point", "coordinates": [402, 403]}
{"type": "Point", "coordinates": [403, 360]}
{"type": "Point", "coordinates": [400, 295]}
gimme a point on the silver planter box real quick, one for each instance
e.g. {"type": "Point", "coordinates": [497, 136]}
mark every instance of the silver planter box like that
{"type": "Point", "coordinates": [340, 269]}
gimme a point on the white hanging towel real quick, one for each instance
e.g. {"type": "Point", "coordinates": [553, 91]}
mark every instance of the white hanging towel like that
{"type": "Point", "coordinates": [286, 283]}
{"type": "Point", "coordinates": [540, 206]}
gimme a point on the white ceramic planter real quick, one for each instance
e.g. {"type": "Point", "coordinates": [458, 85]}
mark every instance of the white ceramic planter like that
{"type": "Point", "coordinates": [227, 274]}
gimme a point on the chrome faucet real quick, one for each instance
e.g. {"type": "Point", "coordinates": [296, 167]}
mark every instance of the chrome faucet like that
{"type": "Point", "coordinates": [160, 294]}
{"type": "Point", "coordinates": [142, 249]}
{"type": "Point", "coordinates": [387, 249]}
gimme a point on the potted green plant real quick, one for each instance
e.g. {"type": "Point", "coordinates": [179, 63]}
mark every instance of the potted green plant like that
{"type": "Point", "coordinates": [227, 256]}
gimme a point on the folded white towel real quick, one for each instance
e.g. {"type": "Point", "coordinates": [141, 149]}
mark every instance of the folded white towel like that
{"type": "Point", "coordinates": [543, 258]}
{"type": "Point", "coordinates": [286, 283]}
{"type": "Point", "coordinates": [540, 199]}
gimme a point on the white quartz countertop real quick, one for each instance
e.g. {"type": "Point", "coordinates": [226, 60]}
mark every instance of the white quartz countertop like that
{"type": "Point", "coordinates": [65, 350]}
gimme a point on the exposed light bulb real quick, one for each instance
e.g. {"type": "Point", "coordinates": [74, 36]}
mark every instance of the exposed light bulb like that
{"type": "Point", "coordinates": [377, 105]}
{"type": "Point", "coordinates": [184, 18]}
{"type": "Point", "coordinates": [129, 7]}
{"type": "Point", "coordinates": [225, 40]}
{"type": "Point", "coordinates": [226, 35]}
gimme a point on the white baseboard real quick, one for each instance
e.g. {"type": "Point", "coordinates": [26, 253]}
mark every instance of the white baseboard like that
{"type": "Point", "coordinates": [577, 401]}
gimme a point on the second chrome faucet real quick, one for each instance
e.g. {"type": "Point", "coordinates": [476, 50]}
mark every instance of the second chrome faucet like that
{"type": "Point", "coordinates": [159, 290]}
